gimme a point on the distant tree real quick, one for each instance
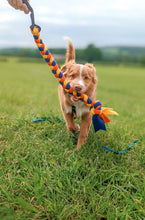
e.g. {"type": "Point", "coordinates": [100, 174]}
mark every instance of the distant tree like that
{"type": "Point", "coordinates": [143, 60]}
{"type": "Point", "coordinates": [91, 53]}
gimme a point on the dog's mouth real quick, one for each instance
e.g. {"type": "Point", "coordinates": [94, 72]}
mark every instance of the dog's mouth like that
{"type": "Point", "coordinates": [74, 99]}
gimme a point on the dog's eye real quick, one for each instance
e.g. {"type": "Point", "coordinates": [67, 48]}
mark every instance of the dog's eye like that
{"type": "Point", "coordinates": [86, 77]}
{"type": "Point", "coordinates": [73, 76]}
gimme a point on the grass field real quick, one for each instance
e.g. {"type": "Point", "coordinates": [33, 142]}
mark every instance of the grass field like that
{"type": "Point", "coordinates": [42, 175]}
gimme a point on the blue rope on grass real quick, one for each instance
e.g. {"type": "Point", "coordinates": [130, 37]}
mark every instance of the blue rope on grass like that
{"type": "Point", "coordinates": [122, 151]}
{"type": "Point", "coordinates": [42, 119]}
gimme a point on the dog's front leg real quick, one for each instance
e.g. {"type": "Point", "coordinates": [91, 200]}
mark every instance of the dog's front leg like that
{"type": "Point", "coordinates": [85, 125]}
{"type": "Point", "coordinates": [70, 123]}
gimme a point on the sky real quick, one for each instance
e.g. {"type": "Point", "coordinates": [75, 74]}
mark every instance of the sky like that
{"type": "Point", "coordinates": [101, 22]}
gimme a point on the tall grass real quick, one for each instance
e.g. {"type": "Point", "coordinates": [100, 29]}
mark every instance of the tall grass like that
{"type": "Point", "coordinates": [42, 175]}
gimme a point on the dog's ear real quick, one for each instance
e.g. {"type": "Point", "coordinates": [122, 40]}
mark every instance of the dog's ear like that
{"type": "Point", "coordinates": [93, 72]}
{"type": "Point", "coordinates": [91, 67]}
{"type": "Point", "coordinates": [64, 69]}
{"type": "Point", "coordinates": [67, 67]}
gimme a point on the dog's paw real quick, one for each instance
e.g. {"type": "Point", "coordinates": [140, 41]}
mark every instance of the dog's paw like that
{"type": "Point", "coordinates": [74, 128]}
{"type": "Point", "coordinates": [77, 128]}
{"type": "Point", "coordinates": [79, 146]}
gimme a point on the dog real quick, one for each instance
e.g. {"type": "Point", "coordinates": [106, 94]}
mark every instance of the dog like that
{"type": "Point", "coordinates": [82, 79]}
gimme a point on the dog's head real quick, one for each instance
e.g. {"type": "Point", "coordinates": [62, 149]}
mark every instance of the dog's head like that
{"type": "Point", "coordinates": [82, 78]}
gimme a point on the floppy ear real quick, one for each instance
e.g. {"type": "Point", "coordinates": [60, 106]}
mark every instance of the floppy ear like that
{"type": "Point", "coordinates": [95, 79]}
{"type": "Point", "coordinates": [93, 72]}
{"type": "Point", "coordinates": [64, 69]}
{"type": "Point", "coordinates": [91, 67]}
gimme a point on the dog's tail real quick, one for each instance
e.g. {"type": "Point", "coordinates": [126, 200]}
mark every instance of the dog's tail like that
{"type": "Point", "coordinates": [70, 54]}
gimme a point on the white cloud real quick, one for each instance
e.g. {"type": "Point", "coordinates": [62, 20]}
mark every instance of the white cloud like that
{"type": "Point", "coordinates": [99, 21]}
{"type": "Point", "coordinates": [4, 4]}
{"type": "Point", "coordinates": [7, 17]}
{"type": "Point", "coordinates": [54, 20]}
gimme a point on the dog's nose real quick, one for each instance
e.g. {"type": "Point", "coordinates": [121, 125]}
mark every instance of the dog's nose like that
{"type": "Point", "coordinates": [78, 88]}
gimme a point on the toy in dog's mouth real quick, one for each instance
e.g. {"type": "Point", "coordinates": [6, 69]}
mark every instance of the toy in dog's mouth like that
{"type": "Point", "coordinates": [74, 99]}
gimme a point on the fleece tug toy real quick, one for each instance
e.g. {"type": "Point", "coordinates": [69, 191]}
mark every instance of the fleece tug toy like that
{"type": "Point", "coordinates": [99, 114]}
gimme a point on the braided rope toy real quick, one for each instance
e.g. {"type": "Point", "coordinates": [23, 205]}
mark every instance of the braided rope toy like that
{"type": "Point", "coordinates": [99, 114]}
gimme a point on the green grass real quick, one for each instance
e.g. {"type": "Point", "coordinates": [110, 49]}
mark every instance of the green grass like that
{"type": "Point", "coordinates": [42, 175]}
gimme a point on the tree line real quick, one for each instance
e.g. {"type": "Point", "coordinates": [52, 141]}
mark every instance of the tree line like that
{"type": "Point", "coordinates": [89, 54]}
